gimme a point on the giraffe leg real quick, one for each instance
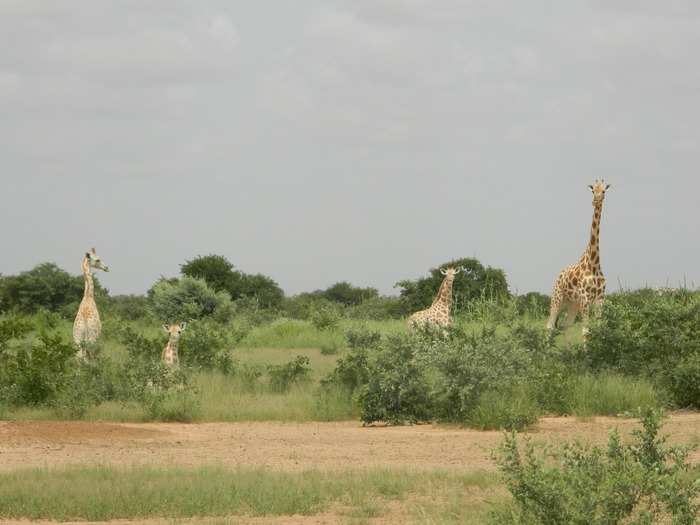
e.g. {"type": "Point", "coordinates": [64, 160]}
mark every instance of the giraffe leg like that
{"type": "Point", "coordinates": [554, 309]}
{"type": "Point", "coordinates": [571, 313]}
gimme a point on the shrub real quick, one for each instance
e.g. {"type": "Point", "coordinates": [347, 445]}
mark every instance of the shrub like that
{"type": "Point", "coordinates": [32, 373]}
{"type": "Point", "coordinates": [188, 299]}
{"type": "Point", "coordinates": [325, 317]}
{"type": "Point", "coordinates": [638, 482]}
{"type": "Point", "coordinates": [351, 371]}
{"type": "Point", "coordinates": [205, 344]}
{"type": "Point", "coordinates": [396, 390]}
{"type": "Point", "coordinates": [282, 377]}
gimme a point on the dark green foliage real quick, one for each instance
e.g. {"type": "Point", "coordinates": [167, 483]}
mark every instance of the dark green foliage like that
{"type": "Point", "coordinates": [128, 307]}
{"type": "Point", "coordinates": [640, 482]}
{"type": "Point", "coordinates": [683, 382]}
{"type": "Point", "coordinates": [221, 276]}
{"type": "Point", "coordinates": [474, 281]}
{"type": "Point", "coordinates": [533, 304]}
{"type": "Point", "coordinates": [397, 390]}
{"type": "Point", "coordinates": [348, 295]}
{"type": "Point", "coordinates": [44, 286]}
{"type": "Point", "coordinates": [188, 299]}
{"type": "Point", "coordinates": [282, 377]}
{"type": "Point", "coordinates": [216, 270]}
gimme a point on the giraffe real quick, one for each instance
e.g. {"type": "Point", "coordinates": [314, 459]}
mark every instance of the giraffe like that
{"type": "Point", "coordinates": [581, 286]}
{"type": "Point", "coordinates": [439, 312]}
{"type": "Point", "coordinates": [87, 326]}
{"type": "Point", "coordinates": [169, 355]}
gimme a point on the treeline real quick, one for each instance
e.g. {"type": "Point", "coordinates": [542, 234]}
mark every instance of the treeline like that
{"type": "Point", "coordinates": [211, 285]}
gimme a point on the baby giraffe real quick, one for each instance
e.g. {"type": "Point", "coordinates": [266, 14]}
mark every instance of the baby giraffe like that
{"type": "Point", "coordinates": [169, 355]}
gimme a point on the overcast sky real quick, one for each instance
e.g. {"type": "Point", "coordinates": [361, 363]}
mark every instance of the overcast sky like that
{"type": "Point", "coordinates": [367, 141]}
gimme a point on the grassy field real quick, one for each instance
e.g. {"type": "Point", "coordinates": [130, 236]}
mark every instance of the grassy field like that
{"type": "Point", "coordinates": [102, 493]}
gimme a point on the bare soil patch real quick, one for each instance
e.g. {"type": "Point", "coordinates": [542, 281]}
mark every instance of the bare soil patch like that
{"type": "Point", "coordinates": [291, 446]}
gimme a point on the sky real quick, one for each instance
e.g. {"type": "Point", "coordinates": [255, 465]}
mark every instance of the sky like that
{"type": "Point", "coordinates": [366, 141]}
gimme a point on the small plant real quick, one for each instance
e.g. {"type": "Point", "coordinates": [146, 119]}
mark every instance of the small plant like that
{"type": "Point", "coordinates": [249, 375]}
{"type": "Point", "coordinates": [640, 482]}
{"type": "Point", "coordinates": [282, 377]}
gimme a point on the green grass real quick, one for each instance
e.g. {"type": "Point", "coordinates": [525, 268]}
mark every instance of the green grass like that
{"type": "Point", "coordinates": [612, 395]}
{"type": "Point", "coordinates": [104, 493]}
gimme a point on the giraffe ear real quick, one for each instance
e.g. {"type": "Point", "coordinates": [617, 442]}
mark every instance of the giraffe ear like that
{"type": "Point", "coordinates": [183, 325]}
{"type": "Point", "coordinates": [591, 186]}
{"type": "Point", "coordinates": [87, 254]}
{"type": "Point", "coordinates": [442, 271]}
{"type": "Point", "coordinates": [457, 270]}
{"type": "Point", "coordinates": [607, 186]}
{"type": "Point", "coordinates": [165, 327]}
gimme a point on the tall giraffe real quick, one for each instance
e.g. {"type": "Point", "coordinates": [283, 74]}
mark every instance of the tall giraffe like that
{"type": "Point", "coordinates": [87, 326]}
{"type": "Point", "coordinates": [169, 355]}
{"type": "Point", "coordinates": [439, 312]}
{"type": "Point", "coordinates": [581, 286]}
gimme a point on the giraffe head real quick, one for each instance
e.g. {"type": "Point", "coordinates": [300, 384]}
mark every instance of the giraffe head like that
{"type": "Point", "coordinates": [94, 261]}
{"type": "Point", "coordinates": [175, 330]}
{"type": "Point", "coordinates": [599, 188]}
{"type": "Point", "coordinates": [449, 273]}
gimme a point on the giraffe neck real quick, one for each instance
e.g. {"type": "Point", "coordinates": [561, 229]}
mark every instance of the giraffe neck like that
{"type": "Point", "coordinates": [592, 253]}
{"type": "Point", "coordinates": [444, 295]}
{"type": "Point", "coordinates": [89, 292]}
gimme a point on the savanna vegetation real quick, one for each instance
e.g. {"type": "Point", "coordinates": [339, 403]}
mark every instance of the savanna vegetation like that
{"type": "Point", "coordinates": [251, 354]}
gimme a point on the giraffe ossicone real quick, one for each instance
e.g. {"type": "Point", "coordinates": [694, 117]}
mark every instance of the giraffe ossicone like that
{"type": "Point", "coordinates": [170, 356]}
{"type": "Point", "coordinates": [87, 325]}
{"type": "Point", "coordinates": [438, 314]}
{"type": "Point", "coordinates": [581, 286]}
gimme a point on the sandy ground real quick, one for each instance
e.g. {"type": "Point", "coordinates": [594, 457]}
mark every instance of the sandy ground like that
{"type": "Point", "coordinates": [289, 446]}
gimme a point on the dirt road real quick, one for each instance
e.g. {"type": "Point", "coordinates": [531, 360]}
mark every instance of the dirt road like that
{"type": "Point", "coordinates": [289, 446]}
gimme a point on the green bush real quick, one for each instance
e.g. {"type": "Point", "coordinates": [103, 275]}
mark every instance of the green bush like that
{"type": "Point", "coordinates": [206, 344]}
{"type": "Point", "coordinates": [652, 335]}
{"type": "Point", "coordinates": [188, 299]}
{"type": "Point", "coordinates": [396, 389]}
{"type": "Point", "coordinates": [684, 382]}
{"type": "Point", "coordinates": [639, 482]}
{"type": "Point", "coordinates": [282, 377]}
{"type": "Point", "coordinates": [326, 317]}
{"type": "Point", "coordinates": [33, 372]}
{"type": "Point", "coordinates": [362, 338]}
